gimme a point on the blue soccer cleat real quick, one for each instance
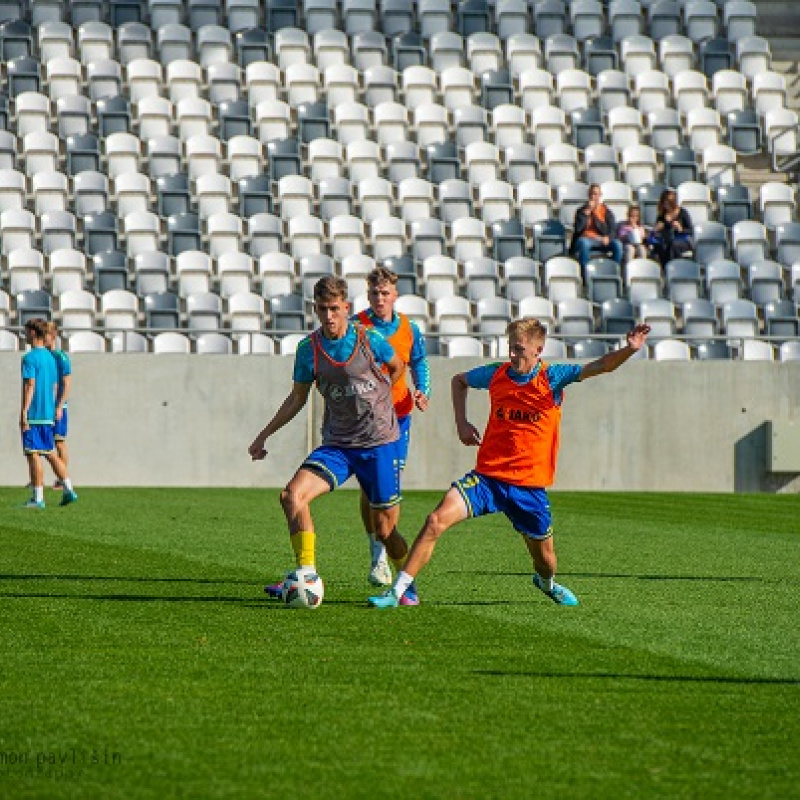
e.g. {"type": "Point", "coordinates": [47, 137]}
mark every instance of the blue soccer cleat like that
{"type": "Point", "coordinates": [559, 594]}
{"type": "Point", "coordinates": [386, 600]}
{"type": "Point", "coordinates": [33, 504]}
{"type": "Point", "coordinates": [68, 497]}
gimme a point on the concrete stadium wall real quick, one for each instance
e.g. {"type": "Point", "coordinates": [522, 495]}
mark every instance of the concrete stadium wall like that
{"type": "Point", "coordinates": [145, 420]}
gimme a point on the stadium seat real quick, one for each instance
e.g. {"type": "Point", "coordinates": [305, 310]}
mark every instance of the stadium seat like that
{"type": "Point", "coordinates": [676, 54]}
{"type": "Point", "coordinates": [723, 281]}
{"type": "Point", "coordinates": [715, 55]}
{"type": "Point", "coordinates": [780, 319]}
{"type": "Point", "coordinates": [749, 242]}
{"type": "Point", "coordinates": [740, 319]}
{"type": "Point", "coordinates": [453, 315]}
{"type": "Point", "coordinates": [740, 20]}
{"type": "Point", "coordinates": [696, 199]}
{"type": "Point", "coordinates": [777, 204]}
{"type": "Point", "coordinates": [734, 204]}
{"type": "Point", "coordinates": [700, 323]}
{"type": "Point", "coordinates": [753, 56]}
{"type": "Point", "coordinates": [110, 269]}
{"type": "Point", "coordinates": [119, 310]}
{"type": "Point", "coordinates": [671, 350]}
{"type": "Point", "coordinates": [684, 280]}
{"type": "Point", "coordinates": [455, 200]}
{"type": "Point", "coordinates": [713, 351]}
{"type": "Point", "coordinates": [787, 243]}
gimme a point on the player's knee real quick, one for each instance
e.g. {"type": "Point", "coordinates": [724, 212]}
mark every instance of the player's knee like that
{"type": "Point", "coordinates": [288, 498]}
{"type": "Point", "coordinates": [435, 525]}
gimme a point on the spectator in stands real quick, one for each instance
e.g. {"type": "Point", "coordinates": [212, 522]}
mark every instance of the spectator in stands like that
{"type": "Point", "coordinates": [633, 234]}
{"type": "Point", "coordinates": [595, 230]}
{"type": "Point", "coordinates": [671, 236]}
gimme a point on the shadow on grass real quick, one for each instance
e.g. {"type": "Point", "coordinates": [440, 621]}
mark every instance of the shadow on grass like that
{"type": "Point", "coordinates": [616, 676]}
{"type": "Point", "coordinates": [623, 575]}
{"type": "Point", "coordinates": [128, 579]}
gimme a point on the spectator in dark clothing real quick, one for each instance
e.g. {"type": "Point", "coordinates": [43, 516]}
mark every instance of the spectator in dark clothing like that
{"type": "Point", "coordinates": [672, 234]}
{"type": "Point", "coordinates": [595, 230]}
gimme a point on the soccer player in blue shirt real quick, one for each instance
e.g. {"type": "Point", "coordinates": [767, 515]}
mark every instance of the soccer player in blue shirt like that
{"type": "Point", "coordinates": [408, 342]}
{"type": "Point", "coordinates": [64, 367]}
{"type": "Point", "coordinates": [359, 430]}
{"type": "Point", "coordinates": [37, 415]}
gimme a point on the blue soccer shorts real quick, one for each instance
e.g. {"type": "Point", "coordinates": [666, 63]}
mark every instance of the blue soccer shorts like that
{"type": "Point", "coordinates": [527, 507]}
{"type": "Point", "coordinates": [404, 441]}
{"type": "Point", "coordinates": [377, 470]}
{"type": "Point", "coordinates": [60, 427]}
{"type": "Point", "coordinates": [38, 439]}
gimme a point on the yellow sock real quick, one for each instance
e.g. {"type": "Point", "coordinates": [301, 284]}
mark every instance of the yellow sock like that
{"type": "Point", "coordinates": [303, 544]}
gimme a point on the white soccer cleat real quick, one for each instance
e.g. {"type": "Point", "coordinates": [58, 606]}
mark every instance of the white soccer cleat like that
{"type": "Point", "coordinates": [380, 574]}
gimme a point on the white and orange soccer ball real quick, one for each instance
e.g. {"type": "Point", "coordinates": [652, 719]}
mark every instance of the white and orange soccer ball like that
{"type": "Point", "coordinates": [302, 588]}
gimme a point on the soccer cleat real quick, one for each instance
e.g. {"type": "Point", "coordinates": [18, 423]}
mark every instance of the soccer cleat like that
{"type": "Point", "coordinates": [33, 504]}
{"type": "Point", "coordinates": [386, 600]}
{"type": "Point", "coordinates": [68, 497]}
{"type": "Point", "coordinates": [380, 574]}
{"type": "Point", "coordinates": [559, 594]}
{"type": "Point", "coordinates": [273, 590]}
{"type": "Point", "coordinates": [410, 596]}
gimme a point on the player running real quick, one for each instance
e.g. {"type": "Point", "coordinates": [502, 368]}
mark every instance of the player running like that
{"type": "Point", "coordinates": [359, 428]}
{"type": "Point", "coordinates": [517, 455]}
{"type": "Point", "coordinates": [408, 343]}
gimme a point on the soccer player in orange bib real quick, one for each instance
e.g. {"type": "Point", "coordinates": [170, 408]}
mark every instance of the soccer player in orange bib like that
{"type": "Point", "coordinates": [516, 455]}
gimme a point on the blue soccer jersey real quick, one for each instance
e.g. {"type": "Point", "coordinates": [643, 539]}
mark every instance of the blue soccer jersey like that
{"type": "Point", "coordinates": [339, 350]}
{"type": "Point", "coordinates": [64, 367]}
{"type": "Point", "coordinates": [39, 365]}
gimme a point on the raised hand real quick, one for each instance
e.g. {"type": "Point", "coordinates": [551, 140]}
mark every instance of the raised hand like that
{"type": "Point", "coordinates": [638, 336]}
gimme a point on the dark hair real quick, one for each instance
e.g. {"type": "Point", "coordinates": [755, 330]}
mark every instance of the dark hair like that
{"type": "Point", "coordinates": [37, 326]}
{"type": "Point", "coordinates": [665, 203]}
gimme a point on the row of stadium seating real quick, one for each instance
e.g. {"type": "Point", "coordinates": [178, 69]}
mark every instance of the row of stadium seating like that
{"type": "Point", "coordinates": [452, 347]}
{"type": "Point", "coordinates": [699, 19]}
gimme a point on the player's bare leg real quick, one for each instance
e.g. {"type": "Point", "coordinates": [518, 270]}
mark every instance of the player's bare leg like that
{"type": "Point", "coordinates": [543, 554]}
{"type": "Point", "coordinates": [304, 487]}
{"type": "Point", "coordinates": [380, 574]}
{"type": "Point", "coordinates": [450, 511]}
{"type": "Point", "coordinates": [36, 474]}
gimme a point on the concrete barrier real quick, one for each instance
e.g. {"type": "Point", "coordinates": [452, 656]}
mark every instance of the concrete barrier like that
{"type": "Point", "coordinates": [171, 420]}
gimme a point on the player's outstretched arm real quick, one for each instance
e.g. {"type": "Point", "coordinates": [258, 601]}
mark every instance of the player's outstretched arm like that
{"type": "Point", "coordinates": [289, 409]}
{"type": "Point", "coordinates": [467, 432]}
{"type": "Point", "coordinates": [616, 358]}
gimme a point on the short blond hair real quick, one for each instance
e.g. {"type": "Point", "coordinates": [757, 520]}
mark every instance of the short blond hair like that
{"type": "Point", "coordinates": [52, 328]}
{"type": "Point", "coordinates": [526, 328]}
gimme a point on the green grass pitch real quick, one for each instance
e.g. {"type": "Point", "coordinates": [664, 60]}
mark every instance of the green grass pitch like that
{"type": "Point", "coordinates": [140, 659]}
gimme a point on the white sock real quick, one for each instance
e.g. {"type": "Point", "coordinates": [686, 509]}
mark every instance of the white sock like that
{"type": "Point", "coordinates": [545, 583]}
{"type": "Point", "coordinates": [401, 583]}
{"type": "Point", "coordinates": [38, 494]}
{"type": "Point", "coordinates": [67, 485]}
